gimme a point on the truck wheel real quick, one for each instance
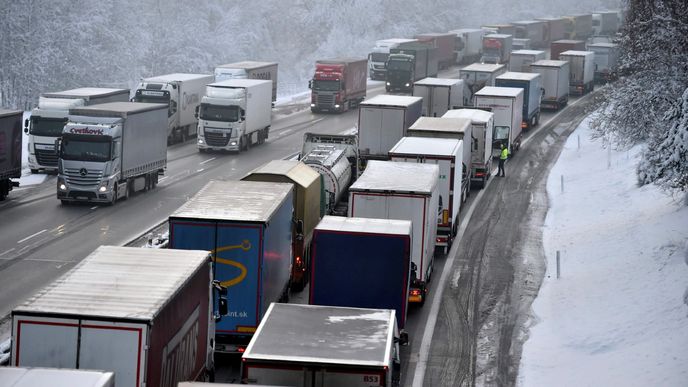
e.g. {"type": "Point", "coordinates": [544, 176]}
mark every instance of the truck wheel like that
{"type": "Point", "coordinates": [64, 202]}
{"type": "Point", "coordinates": [114, 194]}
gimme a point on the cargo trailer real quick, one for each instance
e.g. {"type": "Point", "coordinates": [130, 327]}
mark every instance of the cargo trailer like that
{"type": "Point", "coordinates": [531, 83]}
{"type": "Point", "coordinates": [441, 94]}
{"type": "Point", "coordinates": [507, 105]}
{"type": "Point", "coordinates": [266, 71]}
{"type": "Point", "coordinates": [555, 82]}
{"type": "Point", "coordinates": [521, 59]}
{"type": "Point", "coordinates": [581, 71]}
{"type": "Point", "coordinates": [482, 125]}
{"type": "Point", "coordinates": [10, 150]}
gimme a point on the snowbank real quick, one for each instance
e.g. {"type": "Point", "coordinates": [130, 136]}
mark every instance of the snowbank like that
{"type": "Point", "coordinates": [618, 314]}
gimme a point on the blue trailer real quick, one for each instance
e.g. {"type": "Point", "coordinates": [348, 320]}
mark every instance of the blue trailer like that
{"type": "Point", "coordinates": [247, 227]}
{"type": "Point", "coordinates": [531, 83]}
{"type": "Point", "coordinates": [363, 263]}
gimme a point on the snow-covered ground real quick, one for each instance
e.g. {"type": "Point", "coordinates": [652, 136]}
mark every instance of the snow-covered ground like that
{"type": "Point", "coordinates": [618, 315]}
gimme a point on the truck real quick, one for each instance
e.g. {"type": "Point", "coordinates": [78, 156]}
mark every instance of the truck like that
{"type": "Point", "coordinates": [249, 69]}
{"type": "Point", "coordinates": [554, 28]}
{"type": "Point", "coordinates": [308, 209]}
{"type": "Point", "coordinates": [408, 63]}
{"type": "Point", "coordinates": [482, 126]}
{"type": "Point", "coordinates": [531, 83]}
{"type": "Point", "coordinates": [444, 43]}
{"type": "Point", "coordinates": [335, 157]}
{"type": "Point", "coordinates": [606, 61]}
{"type": "Point", "coordinates": [521, 59]}
{"type": "Point", "coordinates": [582, 71]}
{"type": "Point", "coordinates": [31, 377]}
{"type": "Point", "coordinates": [111, 150]}
{"type": "Point", "coordinates": [441, 94]}
{"type": "Point", "coordinates": [535, 30]}
{"type": "Point", "coordinates": [378, 251]}
{"type": "Point", "coordinates": [555, 82]}
{"type": "Point", "coordinates": [578, 27]}
{"type": "Point", "coordinates": [234, 115]}
{"type": "Point", "coordinates": [10, 150]}
{"type": "Point", "coordinates": [447, 153]}
{"type": "Point", "coordinates": [507, 29]}
{"type": "Point", "coordinates": [559, 46]}
{"type": "Point", "coordinates": [144, 314]}
{"type": "Point", "coordinates": [324, 346]}
{"type": "Point", "coordinates": [182, 94]}
{"type": "Point", "coordinates": [468, 44]}
{"type": "Point", "coordinates": [377, 59]}
{"type": "Point", "coordinates": [507, 106]}
{"type": "Point", "coordinates": [605, 23]}
{"type": "Point", "coordinates": [247, 227]}
{"type": "Point", "coordinates": [520, 44]}
{"type": "Point", "coordinates": [479, 75]}
{"type": "Point", "coordinates": [338, 84]}
{"type": "Point", "coordinates": [403, 191]}
{"type": "Point", "coordinates": [382, 121]}
{"type": "Point", "coordinates": [496, 48]}
{"type": "Point", "coordinates": [447, 127]}
{"type": "Point", "coordinates": [50, 116]}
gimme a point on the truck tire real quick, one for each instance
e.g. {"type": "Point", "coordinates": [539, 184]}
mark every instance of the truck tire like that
{"type": "Point", "coordinates": [114, 195]}
{"type": "Point", "coordinates": [64, 202]}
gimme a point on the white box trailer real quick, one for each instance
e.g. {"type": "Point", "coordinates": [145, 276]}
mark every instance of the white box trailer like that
{"type": "Point", "coordinates": [449, 127]}
{"type": "Point", "coordinates": [522, 59]}
{"type": "Point", "coordinates": [383, 120]}
{"type": "Point", "coordinates": [469, 44]}
{"type": "Point", "coordinates": [440, 95]}
{"type": "Point", "coordinates": [447, 153]}
{"type": "Point", "coordinates": [54, 377]}
{"type": "Point", "coordinates": [535, 30]}
{"type": "Point", "coordinates": [403, 191]}
{"type": "Point", "coordinates": [554, 29]}
{"type": "Point", "coordinates": [555, 82]}
{"type": "Point", "coordinates": [234, 115]}
{"type": "Point", "coordinates": [324, 346]}
{"type": "Point", "coordinates": [478, 75]}
{"type": "Point", "coordinates": [606, 61]}
{"type": "Point", "coordinates": [144, 314]}
{"type": "Point", "coordinates": [249, 69]}
{"type": "Point", "coordinates": [507, 105]}
{"type": "Point", "coordinates": [582, 71]}
{"type": "Point", "coordinates": [482, 125]}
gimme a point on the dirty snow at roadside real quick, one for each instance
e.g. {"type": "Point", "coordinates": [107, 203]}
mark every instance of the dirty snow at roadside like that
{"type": "Point", "coordinates": [618, 314]}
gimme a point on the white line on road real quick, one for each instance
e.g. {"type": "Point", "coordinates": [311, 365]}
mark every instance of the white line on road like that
{"type": "Point", "coordinates": [8, 251]}
{"type": "Point", "coordinates": [163, 178]}
{"type": "Point", "coordinates": [94, 207]}
{"type": "Point", "coordinates": [207, 161]}
{"type": "Point", "coordinates": [31, 236]}
{"type": "Point", "coordinates": [200, 170]}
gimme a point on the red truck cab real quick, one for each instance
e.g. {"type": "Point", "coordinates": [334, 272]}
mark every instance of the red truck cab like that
{"type": "Point", "coordinates": [338, 84]}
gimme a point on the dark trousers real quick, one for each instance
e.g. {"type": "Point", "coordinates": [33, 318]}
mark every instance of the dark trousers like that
{"type": "Point", "coordinates": [500, 171]}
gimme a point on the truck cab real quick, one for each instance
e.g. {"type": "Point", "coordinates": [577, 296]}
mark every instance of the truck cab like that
{"type": "Point", "coordinates": [400, 72]}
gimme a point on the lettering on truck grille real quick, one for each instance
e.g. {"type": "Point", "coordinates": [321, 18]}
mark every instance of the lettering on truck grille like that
{"type": "Point", "coordinates": [179, 355]}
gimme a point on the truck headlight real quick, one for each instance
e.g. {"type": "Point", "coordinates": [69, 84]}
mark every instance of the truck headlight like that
{"type": "Point", "coordinates": [232, 143]}
{"type": "Point", "coordinates": [336, 106]}
{"type": "Point", "coordinates": [200, 141]}
{"type": "Point", "coordinates": [408, 85]}
{"type": "Point", "coordinates": [389, 84]}
{"type": "Point", "coordinates": [62, 186]}
{"type": "Point", "coordinates": [312, 105]}
{"type": "Point", "coordinates": [102, 188]}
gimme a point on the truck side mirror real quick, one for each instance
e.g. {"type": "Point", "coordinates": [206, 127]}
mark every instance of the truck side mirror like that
{"type": "Point", "coordinates": [196, 112]}
{"type": "Point", "coordinates": [222, 304]}
{"type": "Point", "coordinates": [310, 84]}
{"type": "Point", "coordinates": [402, 339]}
{"type": "Point", "coordinates": [298, 228]}
{"type": "Point", "coordinates": [26, 123]}
{"type": "Point", "coordinates": [58, 145]}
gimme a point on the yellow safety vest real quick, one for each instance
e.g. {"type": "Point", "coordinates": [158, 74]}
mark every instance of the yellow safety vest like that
{"type": "Point", "coordinates": [505, 154]}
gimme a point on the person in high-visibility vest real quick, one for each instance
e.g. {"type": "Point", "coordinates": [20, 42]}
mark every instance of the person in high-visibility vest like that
{"type": "Point", "coordinates": [503, 155]}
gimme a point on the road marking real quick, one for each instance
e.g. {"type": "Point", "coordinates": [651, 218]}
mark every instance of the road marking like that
{"type": "Point", "coordinates": [8, 251]}
{"type": "Point", "coordinates": [207, 161]}
{"type": "Point", "coordinates": [200, 170]}
{"type": "Point", "coordinates": [163, 178]}
{"type": "Point", "coordinates": [94, 207]}
{"type": "Point", "coordinates": [31, 236]}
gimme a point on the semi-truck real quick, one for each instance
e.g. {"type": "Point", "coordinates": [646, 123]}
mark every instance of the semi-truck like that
{"type": "Point", "coordinates": [50, 116]}
{"type": "Point", "coordinates": [382, 121]}
{"type": "Point", "coordinates": [247, 227]}
{"type": "Point", "coordinates": [234, 115]}
{"type": "Point", "coordinates": [581, 71]}
{"type": "Point", "coordinates": [507, 29]}
{"type": "Point", "coordinates": [455, 128]}
{"type": "Point", "coordinates": [555, 82]}
{"type": "Point", "coordinates": [378, 251]}
{"type": "Point", "coordinates": [338, 84]}
{"type": "Point", "coordinates": [605, 23]}
{"type": "Point", "coordinates": [447, 153]}
{"type": "Point", "coordinates": [444, 43]}
{"type": "Point", "coordinates": [324, 346]}
{"type": "Point", "coordinates": [531, 83]}
{"type": "Point", "coordinates": [408, 63]}
{"type": "Point", "coordinates": [606, 61]}
{"type": "Point", "coordinates": [308, 209]}
{"type": "Point", "coordinates": [266, 71]}
{"type": "Point", "coordinates": [507, 105]}
{"type": "Point", "coordinates": [554, 28]}
{"type": "Point", "coordinates": [479, 75]}
{"type": "Point", "coordinates": [468, 44]}
{"type": "Point", "coordinates": [521, 59]}
{"type": "Point", "coordinates": [497, 48]}
{"type": "Point", "coordinates": [578, 27]}
{"type": "Point", "coordinates": [111, 150]}
{"type": "Point", "coordinates": [559, 46]}
{"type": "Point", "coordinates": [10, 150]}
{"type": "Point", "coordinates": [144, 314]}
{"type": "Point", "coordinates": [482, 126]}
{"type": "Point", "coordinates": [377, 59]}
{"type": "Point", "coordinates": [404, 191]}
{"type": "Point", "coordinates": [441, 94]}
{"type": "Point", "coordinates": [535, 30]}
{"type": "Point", "coordinates": [58, 377]}
{"type": "Point", "coordinates": [520, 44]}
{"type": "Point", "coordinates": [182, 94]}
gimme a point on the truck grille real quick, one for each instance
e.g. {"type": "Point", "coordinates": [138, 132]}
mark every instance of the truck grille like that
{"type": "Point", "coordinates": [216, 139]}
{"type": "Point", "coordinates": [47, 158]}
{"type": "Point", "coordinates": [83, 177]}
{"type": "Point", "coordinates": [325, 100]}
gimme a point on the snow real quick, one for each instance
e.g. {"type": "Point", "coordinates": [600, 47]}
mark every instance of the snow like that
{"type": "Point", "coordinates": [618, 314]}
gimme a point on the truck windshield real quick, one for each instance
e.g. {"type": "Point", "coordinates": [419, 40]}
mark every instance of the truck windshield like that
{"type": "Point", "coordinates": [86, 148]}
{"type": "Point", "coordinates": [378, 57]}
{"type": "Point", "coordinates": [326, 85]}
{"type": "Point", "coordinates": [399, 65]}
{"type": "Point", "coordinates": [219, 113]}
{"type": "Point", "coordinates": [501, 133]}
{"type": "Point", "coordinates": [51, 127]}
